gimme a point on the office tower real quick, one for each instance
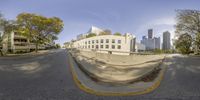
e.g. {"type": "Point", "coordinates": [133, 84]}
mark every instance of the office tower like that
{"type": "Point", "coordinates": [166, 41]}
{"type": "Point", "coordinates": [150, 33]}
{"type": "Point", "coordinates": [157, 42]}
{"type": "Point", "coordinates": [151, 43]}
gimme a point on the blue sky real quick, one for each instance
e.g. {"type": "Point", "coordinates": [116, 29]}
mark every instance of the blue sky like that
{"type": "Point", "coordinates": [133, 16]}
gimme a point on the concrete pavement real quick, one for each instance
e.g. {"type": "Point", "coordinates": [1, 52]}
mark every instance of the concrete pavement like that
{"type": "Point", "coordinates": [52, 80]}
{"type": "Point", "coordinates": [98, 88]}
{"type": "Point", "coordinates": [135, 68]}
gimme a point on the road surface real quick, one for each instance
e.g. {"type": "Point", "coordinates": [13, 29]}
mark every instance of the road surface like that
{"type": "Point", "coordinates": [49, 78]}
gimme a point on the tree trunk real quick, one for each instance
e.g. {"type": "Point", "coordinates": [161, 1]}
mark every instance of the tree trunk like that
{"type": "Point", "coordinates": [36, 47]}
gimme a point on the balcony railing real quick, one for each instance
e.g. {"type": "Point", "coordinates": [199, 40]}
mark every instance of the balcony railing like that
{"type": "Point", "coordinates": [28, 47]}
{"type": "Point", "coordinates": [18, 42]}
{"type": "Point", "coordinates": [19, 36]}
{"type": "Point", "coordinates": [21, 47]}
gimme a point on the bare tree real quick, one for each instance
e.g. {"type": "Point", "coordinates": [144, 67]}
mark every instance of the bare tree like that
{"type": "Point", "coordinates": [188, 21]}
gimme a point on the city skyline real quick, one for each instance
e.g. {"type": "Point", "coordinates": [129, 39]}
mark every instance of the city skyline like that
{"type": "Point", "coordinates": [134, 17]}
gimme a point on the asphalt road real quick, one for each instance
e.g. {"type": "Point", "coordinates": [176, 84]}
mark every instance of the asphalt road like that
{"type": "Point", "coordinates": [49, 78]}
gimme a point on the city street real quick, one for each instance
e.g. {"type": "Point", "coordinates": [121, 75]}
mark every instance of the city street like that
{"type": "Point", "coordinates": [49, 78]}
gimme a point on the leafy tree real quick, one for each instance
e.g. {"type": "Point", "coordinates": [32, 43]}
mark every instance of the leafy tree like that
{"type": "Point", "coordinates": [1, 24]}
{"type": "Point", "coordinates": [106, 32]}
{"type": "Point", "coordinates": [197, 43]}
{"type": "Point", "coordinates": [58, 46]}
{"type": "Point", "coordinates": [1, 38]}
{"type": "Point", "coordinates": [1, 19]}
{"type": "Point", "coordinates": [184, 43]}
{"type": "Point", "coordinates": [118, 34]}
{"type": "Point", "coordinates": [7, 26]}
{"type": "Point", "coordinates": [91, 35]}
{"type": "Point", "coordinates": [158, 51]}
{"type": "Point", "coordinates": [39, 29]}
{"type": "Point", "coordinates": [188, 21]}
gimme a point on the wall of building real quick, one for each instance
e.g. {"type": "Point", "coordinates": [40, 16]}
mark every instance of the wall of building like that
{"type": "Point", "coordinates": [166, 41]}
{"type": "Point", "coordinates": [14, 42]}
{"type": "Point", "coordinates": [140, 47]}
{"type": "Point", "coordinates": [107, 42]}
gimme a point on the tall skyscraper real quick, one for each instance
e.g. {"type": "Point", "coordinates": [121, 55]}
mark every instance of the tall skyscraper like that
{"type": "Point", "coordinates": [157, 42]}
{"type": "Point", "coordinates": [166, 41]}
{"type": "Point", "coordinates": [150, 33]}
{"type": "Point", "coordinates": [151, 43]}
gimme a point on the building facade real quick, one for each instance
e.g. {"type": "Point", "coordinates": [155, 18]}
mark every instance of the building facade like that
{"type": "Point", "coordinates": [111, 43]}
{"type": "Point", "coordinates": [104, 43]}
{"type": "Point", "coordinates": [95, 30]}
{"type": "Point", "coordinates": [157, 43]}
{"type": "Point", "coordinates": [166, 41]}
{"type": "Point", "coordinates": [150, 33]}
{"type": "Point", "coordinates": [14, 42]}
{"type": "Point", "coordinates": [151, 43]}
{"type": "Point", "coordinates": [140, 47]}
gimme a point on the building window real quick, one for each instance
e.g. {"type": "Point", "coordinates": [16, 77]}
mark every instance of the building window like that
{"type": "Point", "coordinates": [92, 46]}
{"type": "Point", "coordinates": [119, 41]}
{"type": "Point", "coordinates": [97, 41]}
{"type": "Point", "coordinates": [113, 46]}
{"type": "Point", "coordinates": [92, 41]}
{"type": "Point", "coordinates": [101, 40]}
{"type": "Point", "coordinates": [85, 46]}
{"type": "Point", "coordinates": [101, 46]}
{"type": "Point", "coordinates": [97, 46]}
{"type": "Point", "coordinates": [119, 47]}
{"type": "Point", "coordinates": [107, 40]}
{"type": "Point", "coordinates": [113, 40]}
{"type": "Point", "coordinates": [89, 46]}
{"type": "Point", "coordinates": [107, 46]}
{"type": "Point", "coordinates": [85, 42]}
{"type": "Point", "coordinates": [88, 42]}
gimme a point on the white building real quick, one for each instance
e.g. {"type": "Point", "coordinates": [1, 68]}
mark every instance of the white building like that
{"type": "Point", "coordinates": [93, 29]}
{"type": "Point", "coordinates": [114, 44]}
{"type": "Point", "coordinates": [140, 47]}
{"type": "Point", "coordinates": [108, 43]}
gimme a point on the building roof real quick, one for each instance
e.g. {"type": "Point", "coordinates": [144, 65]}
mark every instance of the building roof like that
{"type": "Point", "coordinates": [95, 30]}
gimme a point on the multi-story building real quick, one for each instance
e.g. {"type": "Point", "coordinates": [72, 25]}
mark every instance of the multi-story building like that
{"type": "Point", "coordinates": [14, 42]}
{"type": "Point", "coordinates": [166, 41]}
{"type": "Point", "coordinates": [93, 29]}
{"type": "Point", "coordinates": [140, 47]}
{"type": "Point", "coordinates": [151, 42]}
{"type": "Point", "coordinates": [157, 42]}
{"type": "Point", "coordinates": [150, 33]}
{"type": "Point", "coordinates": [108, 43]}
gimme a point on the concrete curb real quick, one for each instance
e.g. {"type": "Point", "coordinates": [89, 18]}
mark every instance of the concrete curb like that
{"type": "Point", "coordinates": [95, 92]}
{"type": "Point", "coordinates": [27, 55]}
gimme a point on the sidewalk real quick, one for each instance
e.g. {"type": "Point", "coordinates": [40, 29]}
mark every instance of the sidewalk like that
{"type": "Point", "coordinates": [88, 85]}
{"type": "Point", "coordinates": [39, 53]}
